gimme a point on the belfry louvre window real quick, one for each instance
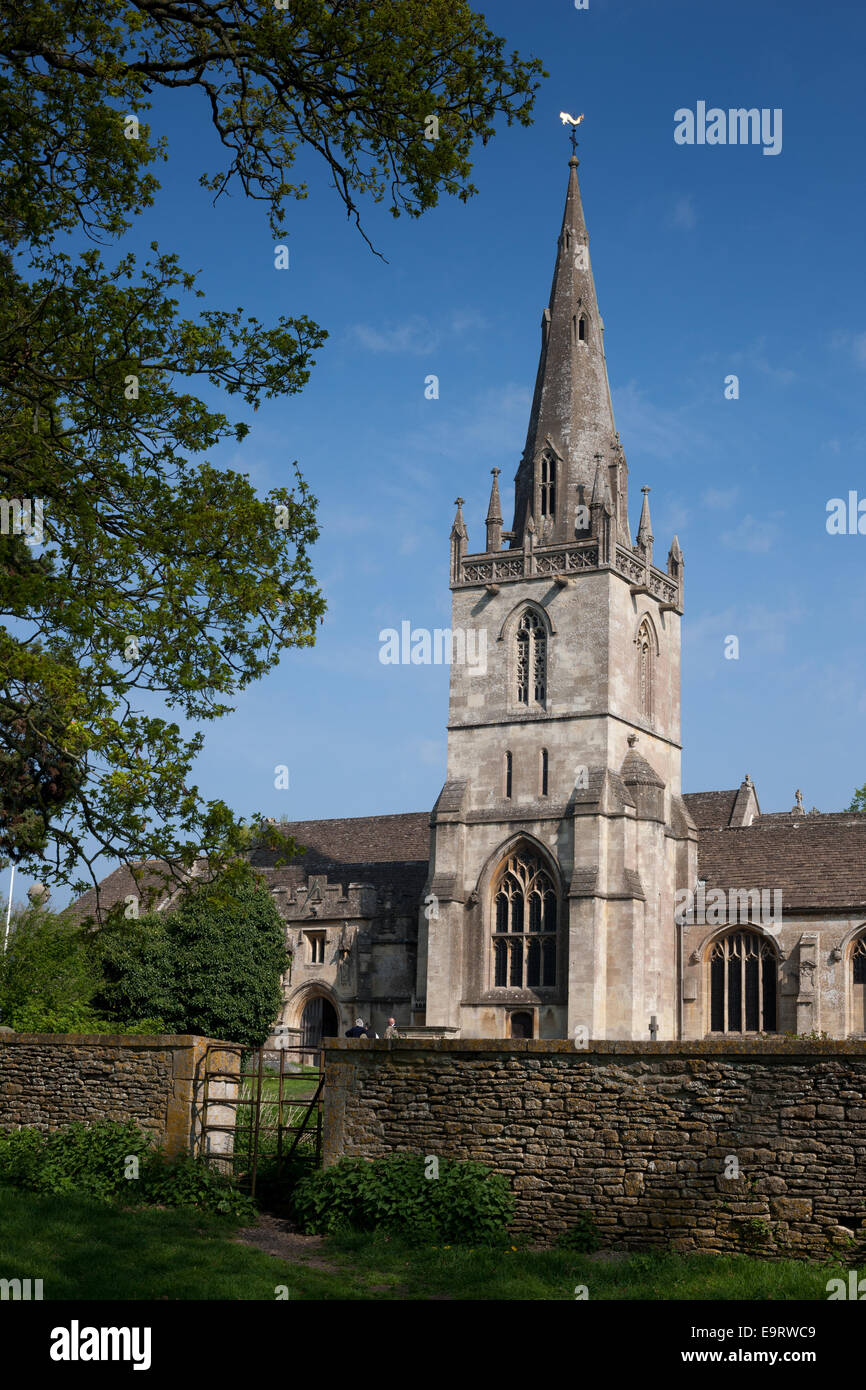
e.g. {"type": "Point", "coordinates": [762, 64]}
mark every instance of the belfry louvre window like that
{"type": "Point", "coordinates": [742, 984]}
{"type": "Point", "coordinates": [531, 659]}
{"type": "Point", "coordinates": [548, 486]}
{"type": "Point", "coordinates": [524, 928]}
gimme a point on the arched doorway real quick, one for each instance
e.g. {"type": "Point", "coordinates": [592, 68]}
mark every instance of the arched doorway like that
{"type": "Point", "coordinates": [318, 1020]}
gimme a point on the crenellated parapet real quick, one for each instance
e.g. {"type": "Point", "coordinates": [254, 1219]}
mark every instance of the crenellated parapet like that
{"type": "Point", "coordinates": [562, 561]}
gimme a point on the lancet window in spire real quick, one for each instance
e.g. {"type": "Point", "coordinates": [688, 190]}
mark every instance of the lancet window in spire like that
{"type": "Point", "coordinates": [531, 659]}
{"type": "Point", "coordinates": [524, 924]}
{"type": "Point", "coordinates": [548, 485]}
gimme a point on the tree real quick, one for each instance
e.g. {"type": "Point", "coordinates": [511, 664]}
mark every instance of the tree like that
{"type": "Point", "coordinates": [213, 966]}
{"type": "Point", "coordinates": [159, 573]}
{"type": "Point", "coordinates": [47, 975]}
{"type": "Point", "coordinates": [858, 800]}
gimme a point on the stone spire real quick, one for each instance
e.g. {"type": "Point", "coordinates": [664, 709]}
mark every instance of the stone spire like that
{"type": "Point", "coordinates": [645, 538]}
{"type": "Point", "coordinates": [494, 515]}
{"type": "Point", "coordinates": [572, 417]}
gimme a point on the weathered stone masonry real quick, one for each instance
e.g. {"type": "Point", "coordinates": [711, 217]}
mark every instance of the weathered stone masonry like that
{"type": "Point", "coordinates": [47, 1080]}
{"type": "Point", "coordinates": [638, 1133]}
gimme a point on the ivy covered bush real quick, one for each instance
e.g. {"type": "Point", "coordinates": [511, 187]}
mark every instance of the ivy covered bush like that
{"type": "Point", "coordinates": [407, 1194]}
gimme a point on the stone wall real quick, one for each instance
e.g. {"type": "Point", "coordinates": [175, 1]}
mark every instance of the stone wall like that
{"type": "Point", "coordinates": [640, 1134]}
{"type": "Point", "coordinates": [48, 1080]}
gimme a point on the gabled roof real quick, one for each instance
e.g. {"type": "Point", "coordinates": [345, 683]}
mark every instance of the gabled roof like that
{"type": "Point", "coordinates": [710, 810]}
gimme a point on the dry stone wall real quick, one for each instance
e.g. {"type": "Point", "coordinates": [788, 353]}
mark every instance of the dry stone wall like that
{"type": "Point", "coordinates": [47, 1080]}
{"type": "Point", "coordinates": [640, 1134]}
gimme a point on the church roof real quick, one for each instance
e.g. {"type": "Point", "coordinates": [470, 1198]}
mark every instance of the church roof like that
{"type": "Point", "coordinates": [390, 852]}
{"type": "Point", "coordinates": [816, 861]}
{"type": "Point", "coordinates": [710, 810]}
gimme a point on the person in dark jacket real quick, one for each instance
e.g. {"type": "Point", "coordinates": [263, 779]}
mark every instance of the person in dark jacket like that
{"type": "Point", "coordinates": [359, 1031]}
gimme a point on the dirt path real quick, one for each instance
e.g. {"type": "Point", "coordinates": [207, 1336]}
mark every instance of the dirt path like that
{"type": "Point", "coordinates": [276, 1236]}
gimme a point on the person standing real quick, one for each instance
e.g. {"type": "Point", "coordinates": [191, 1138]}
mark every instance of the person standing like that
{"type": "Point", "coordinates": [391, 1030]}
{"type": "Point", "coordinates": [359, 1031]}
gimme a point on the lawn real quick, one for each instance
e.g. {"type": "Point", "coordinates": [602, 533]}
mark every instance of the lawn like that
{"type": "Point", "coordinates": [84, 1250]}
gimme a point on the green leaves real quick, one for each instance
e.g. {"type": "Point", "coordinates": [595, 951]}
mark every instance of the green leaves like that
{"type": "Point", "coordinates": [94, 1160]}
{"type": "Point", "coordinates": [212, 967]}
{"type": "Point", "coordinates": [161, 575]}
{"type": "Point", "coordinates": [464, 1204]}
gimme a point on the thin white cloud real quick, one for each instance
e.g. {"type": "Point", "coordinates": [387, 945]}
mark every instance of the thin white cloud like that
{"type": "Point", "coordinates": [717, 499]}
{"type": "Point", "coordinates": [683, 213]}
{"type": "Point", "coordinates": [666, 434]}
{"type": "Point", "coordinates": [417, 335]}
{"type": "Point", "coordinates": [753, 534]}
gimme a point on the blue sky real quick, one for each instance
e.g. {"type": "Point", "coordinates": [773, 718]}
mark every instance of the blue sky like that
{"type": "Point", "coordinates": [708, 261]}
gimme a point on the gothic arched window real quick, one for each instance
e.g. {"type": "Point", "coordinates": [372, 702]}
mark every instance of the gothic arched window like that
{"type": "Point", "coordinates": [858, 985]}
{"type": "Point", "coordinates": [581, 329]}
{"type": "Point", "coordinates": [645, 661]}
{"type": "Point", "coordinates": [543, 772]}
{"type": "Point", "coordinates": [743, 984]}
{"type": "Point", "coordinates": [548, 485]}
{"type": "Point", "coordinates": [531, 659]}
{"type": "Point", "coordinates": [524, 924]}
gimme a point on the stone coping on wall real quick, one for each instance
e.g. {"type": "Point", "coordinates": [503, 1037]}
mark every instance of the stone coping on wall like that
{"type": "Point", "coordinates": [117, 1039]}
{"type": "Point", "coordinates": [702, 1047]}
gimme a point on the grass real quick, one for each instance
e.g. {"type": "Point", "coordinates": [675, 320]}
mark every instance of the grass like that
{"type": "Point", "coordinates": [298, 1091]}
{"type": "Point", "coordinates": [84, 1250]}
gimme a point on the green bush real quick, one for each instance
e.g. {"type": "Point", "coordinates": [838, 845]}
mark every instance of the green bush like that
{"type": "Point", "coordinates": [211, 967]}
{"type": "Point", "coordinates": [582, 1236]}
{"type": "Point", "coordinates": [90, 1159]}
{"type": "Point", "coordinates": [465, 1204]}
{"type": "Point", "coordinates": [190, 1182]}
{"type": "Point", "coordinates": [78, 1018]}
{"type": "Point", "coordinates": [94, 1161]}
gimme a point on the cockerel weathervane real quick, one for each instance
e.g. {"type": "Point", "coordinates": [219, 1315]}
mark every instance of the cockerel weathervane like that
{"type": "Point", "coordinates": [574, 122]}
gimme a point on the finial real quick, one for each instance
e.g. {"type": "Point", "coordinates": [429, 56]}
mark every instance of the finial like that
{"type": "Point", "coordinates": [748, 781]}
{"type": "Point", "coordinates": [496, 472]}
{"type": "Point", "coordinates": [459, 501]}
{"type": "Point", "coordinates": [646, 489]}
{"type": "Point", "coordinates": [631, 740]}
{"type": "Point", "coordinates": [799, 795]}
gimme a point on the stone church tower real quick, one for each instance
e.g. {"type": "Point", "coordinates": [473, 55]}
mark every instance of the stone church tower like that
{"type": "Point", "coordinates": [560, 838]}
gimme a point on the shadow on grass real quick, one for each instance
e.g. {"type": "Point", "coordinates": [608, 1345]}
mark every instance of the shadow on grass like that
{"type": "Point", "coordinates": [84, 1250]}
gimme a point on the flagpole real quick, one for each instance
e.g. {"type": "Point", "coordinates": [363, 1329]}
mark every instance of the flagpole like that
{"type": "Point", "coordinates": [9, 906]}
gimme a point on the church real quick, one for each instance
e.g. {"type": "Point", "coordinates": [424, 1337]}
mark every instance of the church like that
{"type": "Point", "coordinates": [564, 885]}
